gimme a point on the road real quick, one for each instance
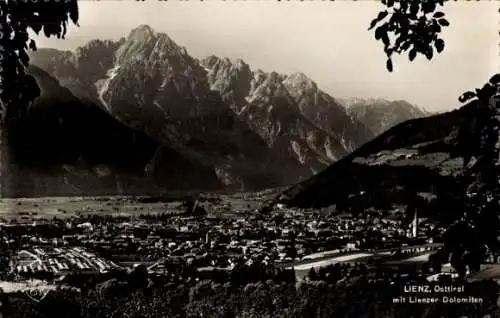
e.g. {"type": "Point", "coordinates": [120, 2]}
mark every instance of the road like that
{"type": "Point", "coordinates": [342, 257]}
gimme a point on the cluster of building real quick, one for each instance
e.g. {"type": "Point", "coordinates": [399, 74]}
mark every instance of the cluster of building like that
{"type": "Point", "coordinates": [58, 261]}
{"type": "Point", "coordinates": [281, 237]}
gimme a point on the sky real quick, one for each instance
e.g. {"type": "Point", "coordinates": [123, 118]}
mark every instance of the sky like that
{"type": "Point", "coordinates": [328, 41]}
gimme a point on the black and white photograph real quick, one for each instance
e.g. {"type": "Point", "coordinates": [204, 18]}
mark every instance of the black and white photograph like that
{"type": "Point", "coordinates": [248, 159]}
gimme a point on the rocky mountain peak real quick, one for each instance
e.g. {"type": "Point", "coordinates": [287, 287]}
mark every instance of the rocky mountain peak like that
{"type": "Point", "coordinates": [142, 32]}
{"type": "Point", "coordinates": [299, 82]}
{"type": "Point", "coordinates": [210, 61]}
{"type": "Point", "coordinates": [270, 85]}
{"type": "Point", "coordinates": [145, 44]}
{"type": "Point", "coordinates": [230, 79]}
{"type": "Point", "coordinates": [240, 64]}
{"type": "Point", "coordinates": [216, 63]}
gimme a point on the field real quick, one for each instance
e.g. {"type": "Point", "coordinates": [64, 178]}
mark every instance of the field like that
{"type": "Point", "coordinates": [65, 207]}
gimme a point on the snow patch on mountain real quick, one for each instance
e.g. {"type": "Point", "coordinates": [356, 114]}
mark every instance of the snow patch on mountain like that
{"type": "Point", "coordinates": [297, 150]}
{"type": "Point", "coordinates": [164, 83]}
{"type": "Point", "coordinates": [103, 85]}
{"type": "Point", "coordinates": [242, 110]}
{"type": "Point", "coordinates": [345, 143]}
{"type": "Point", "coordinates": [328, 151]}
{"type": "Point", "coordinates": [278, 128]}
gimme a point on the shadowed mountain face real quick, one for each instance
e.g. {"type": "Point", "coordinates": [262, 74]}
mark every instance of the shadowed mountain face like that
{"type": "Point", "coordinates": [429, 163]}
{"type": "Point", "coordinates": [63, 146]}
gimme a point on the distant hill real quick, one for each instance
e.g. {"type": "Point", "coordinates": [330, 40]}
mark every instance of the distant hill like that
{"type": "Point", "coordinates": [429, 163]}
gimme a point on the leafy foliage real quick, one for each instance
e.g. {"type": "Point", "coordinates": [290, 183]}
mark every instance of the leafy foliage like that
{"type": "Point", "coordinates": [410, 26]}
{"type": "Point", "coordinates": [16, 18]}
{"type": "Point", "coordinates": [483, 94]}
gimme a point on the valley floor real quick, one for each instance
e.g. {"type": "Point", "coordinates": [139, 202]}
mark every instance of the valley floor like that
{"type": "Point", "coordinates": [30, 209]}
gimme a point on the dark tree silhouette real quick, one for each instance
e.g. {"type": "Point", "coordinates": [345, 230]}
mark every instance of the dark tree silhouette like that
{"type": "Point", "coordinates": [17, 89]}
{"type": "Point", "coordinates": [414, 27]}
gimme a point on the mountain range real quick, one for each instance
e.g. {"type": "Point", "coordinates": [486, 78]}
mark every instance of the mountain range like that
{"type": "Point", "coordinates": [140, 115]}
